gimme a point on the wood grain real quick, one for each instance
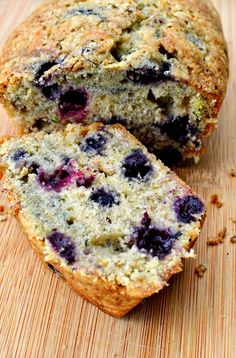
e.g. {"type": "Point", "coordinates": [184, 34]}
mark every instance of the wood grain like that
{"type": "Point", "coordinates": [194, 317]}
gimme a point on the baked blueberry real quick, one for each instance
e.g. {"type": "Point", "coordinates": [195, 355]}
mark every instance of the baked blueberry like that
{"type": "Point", "coordinates": [104, 198]}
{"type": "Point", "coordinates": [157, 242]}
{"type": "Point", "coordinates": [94, 144]}
{"type": "Point", "coordinates": [136, 165]}
{"type": "Point", "coordinates": [186, 207]}
{"type": "Point", "coordinates": [33, 167]}
{"type": "Point", "coordinates": [150, 74]}
{"type": "Point", "coordinates": [55, 181]}
{"type": "Point", "coordinates": [19, 154]}
{"type": "Point", "coordinates": [49, 90]}
{"type": "Point", "coordinates": [169, 156]}
{"type": "Point", "coordinates": [43, 69]}
{"type": "Point", "coordinates": [63, 245]}
{"type": "Point", "coordinates": [116, 120]}
{"type": "Point", "coordinates": [73, 103]}
{"type": "Point", "coordinates": [179, 128]}
{"type": "Point", "coordinates": [166, 53]}
{"type": "Point", "coordinates": [38, 124]}
{"type": "Point", "coordinates": [81, 11]}
{"type": "Point", "coordinates": [83, 180]}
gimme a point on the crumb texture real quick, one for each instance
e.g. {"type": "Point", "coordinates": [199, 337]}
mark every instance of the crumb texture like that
{"type": "Point", "coordinates": [216, 201]}
{"type": "Point", "coordinates": [97, 205]}
{"type": "Point", "coordinates": [200, 270]}
{"type": "Point", "coordinates": [218, 239]}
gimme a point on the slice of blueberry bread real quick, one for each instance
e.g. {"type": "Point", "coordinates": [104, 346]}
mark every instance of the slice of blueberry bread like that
{"type": "Point", "coordinates": [158, 67]}
{"type": "Point", "coordinates": [96, 206]}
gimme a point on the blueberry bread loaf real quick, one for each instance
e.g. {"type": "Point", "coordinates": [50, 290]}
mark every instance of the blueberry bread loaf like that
{"type": "Point", "coordinates": [101, 210]}
{"type": "Point", "coordinates": [158, 67]}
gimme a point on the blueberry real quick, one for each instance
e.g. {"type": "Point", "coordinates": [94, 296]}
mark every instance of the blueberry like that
{"type": "Point", "coordinates": [66, 160]}
{"type": "Point", "coordinates": [186, 207]}
{"type": "Point", "coordinates": [150, 74]}
{"type": "Point", "coordinates": [73, 103]}
{"type": "Point", "coordinates": [86, 12]}
{"type": "Point", "coordinates": [116, 120]}
{"type": "Point", "coordinates": [43, 69]}
{"type": "Point", "coordinates": [157, 242]}
{"type": "Point", "coordinates": [50, 91]}
{"type": "Point", "coordinates": [166, 53]}
{"type": "Point", "coordinates": [85, 181]}
{"type": "Point", "coordinates": [33, 167]}
{"type": "Point", "coordinates": [55, 181]}
{"type": "Point", "coordinates": [63, 245]}
{"type": "Point", "coordinates": [81, 11]}
{"type": "Point", "coordinates": [103, 198]}
{"type": "Point", "coordinates": [146, 220]}
{"type": "Point", "coordinates": [19, 154]}
{"type": "Point", "coordinates": [38, 124]}
{"type": "Point", "coordinates": [94, 144]}
{"type": "Point", "coordinates": [179, 129]}
{"type": "Point", "coordinates": [169, 156]}
{"type": "Point", "coordinates": [136, 165]}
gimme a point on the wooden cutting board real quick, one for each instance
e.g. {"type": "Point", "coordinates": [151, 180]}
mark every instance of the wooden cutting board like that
{"type": "Point", "coordinates": [40, 316]}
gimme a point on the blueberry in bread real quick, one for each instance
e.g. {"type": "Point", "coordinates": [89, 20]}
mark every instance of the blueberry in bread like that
{"type": "Point", "coordinates": [102, 211]}
{"type": "Point", "coordinates": [158, 67]}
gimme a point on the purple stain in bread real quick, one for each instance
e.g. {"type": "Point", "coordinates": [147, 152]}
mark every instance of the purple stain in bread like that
{"type": "Point", "coordinates": [83, 180]}
{"type": "Point", "coordinates": [137, 166]}
{"type": "Point", "coordinates": [156, 241]}
{"type": "Point", "coordinates": [150, 74]}
{"type": "Point", "coordinates": [104, 198]}
{"type": "Point", "coordinates": [60, 178]}
{"type": "Point", "coordinates": [94, 144]}
{"type": "Point", "coordinates": [63, 246]}
{"type": "Point", "coordinates": [146, 220]}
{"type": "Point", "coordinates": [73, 104]}
{"type": "Point", "coordinates": [186, 207]}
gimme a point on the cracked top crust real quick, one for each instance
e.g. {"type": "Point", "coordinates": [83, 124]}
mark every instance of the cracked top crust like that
{"type": "Point", "coordinates": [92, 35]}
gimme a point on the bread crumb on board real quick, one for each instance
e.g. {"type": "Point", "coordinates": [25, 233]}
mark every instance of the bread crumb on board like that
{"type": "Point", "coordinates": [232, 173]}
{"type": "Point", "coordinates": [200, 270]}
{"type": "Point", "coordinates": [233, 239]}
{"type": "Point", "coordinates": [218, 239]}
{"type": "Point", "coordinates": [233, 220]}
{"type": "Point", "coordinates": [215, 201]}
{"type": "Point", "coordinates": [3, 215]}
